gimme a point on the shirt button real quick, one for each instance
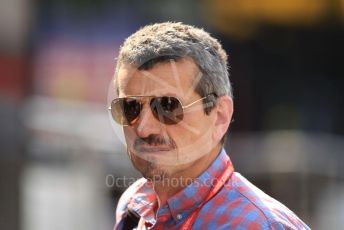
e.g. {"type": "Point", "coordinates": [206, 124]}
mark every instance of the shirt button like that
{"type": "Point", "coordinates": [179, 216]}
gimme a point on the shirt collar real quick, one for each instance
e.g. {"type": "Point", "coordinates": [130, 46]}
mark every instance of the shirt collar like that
{"type": "Point", "coordinates": [187, 200]}
{"type": "Point", "coordinates": [184, 202]}
{"type": "Point", "coordinates": [144, 201]}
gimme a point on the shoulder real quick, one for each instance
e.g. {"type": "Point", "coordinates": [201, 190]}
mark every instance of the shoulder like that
{"type": "Point", "coordinates": [242, 205]}
{"type": "Point", "coordinates": [125, 198]}
{"type": "Point", "coordinates": [273, 214]}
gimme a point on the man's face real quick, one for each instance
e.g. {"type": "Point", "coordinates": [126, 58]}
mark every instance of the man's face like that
{"type": "Point", "coordinates": [156, 149]}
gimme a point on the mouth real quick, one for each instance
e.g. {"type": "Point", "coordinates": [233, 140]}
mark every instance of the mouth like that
{"type": "Point", "coordinates": [153, 149]}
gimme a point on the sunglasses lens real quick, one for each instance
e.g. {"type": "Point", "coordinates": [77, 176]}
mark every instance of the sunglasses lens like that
{"type": "Point", "coordinates": [167, 110]}
{"type": "Point", "coordinates": [125, 110]}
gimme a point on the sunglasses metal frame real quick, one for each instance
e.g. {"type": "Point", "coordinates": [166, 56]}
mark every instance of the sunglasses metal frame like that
{"type": "Point", "coordinates": [149, 98]}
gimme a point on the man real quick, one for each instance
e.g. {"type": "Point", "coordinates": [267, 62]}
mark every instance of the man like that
{"type": "Point", "coordinates": [174, 100]}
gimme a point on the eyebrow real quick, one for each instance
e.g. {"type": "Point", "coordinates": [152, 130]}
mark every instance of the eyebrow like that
{"type": "Point", "coordinates": [154, 95]}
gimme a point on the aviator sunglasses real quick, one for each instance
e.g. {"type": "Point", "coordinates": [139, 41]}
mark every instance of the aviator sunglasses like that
{"type": "Point", "coordinates": [168, 110]}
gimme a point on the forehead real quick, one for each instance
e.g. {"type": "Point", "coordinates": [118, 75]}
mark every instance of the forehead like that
{"type": "Point", "coordinates": [165, 78]}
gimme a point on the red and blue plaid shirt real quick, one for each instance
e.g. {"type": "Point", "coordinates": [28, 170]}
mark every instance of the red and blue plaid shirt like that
{"type": "Point", "coordinates": [238, 205]}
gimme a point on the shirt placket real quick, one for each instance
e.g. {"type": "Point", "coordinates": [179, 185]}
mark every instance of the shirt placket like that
{"type": "Point", "coordinates": [163, 215]}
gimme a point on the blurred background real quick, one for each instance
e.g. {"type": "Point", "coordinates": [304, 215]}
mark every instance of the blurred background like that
{"type": "Point", "coordinates": [59, 156]}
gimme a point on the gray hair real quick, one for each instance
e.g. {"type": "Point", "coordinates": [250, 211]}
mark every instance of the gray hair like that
{"type": "Point", "coordinates": [174, 40]}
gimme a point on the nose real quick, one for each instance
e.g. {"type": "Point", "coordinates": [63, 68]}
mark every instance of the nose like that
{"type": "Point", "coordinates": [147, 124]}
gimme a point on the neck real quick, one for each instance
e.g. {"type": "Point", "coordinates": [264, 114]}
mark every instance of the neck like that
{"type": "Point", "coordinates": [176, 182]}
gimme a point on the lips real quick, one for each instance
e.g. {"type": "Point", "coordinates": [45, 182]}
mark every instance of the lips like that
{"type": "Point", "coordinates": [153, 149]}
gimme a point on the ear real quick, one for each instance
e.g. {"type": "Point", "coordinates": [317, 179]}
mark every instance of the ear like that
{"type": "Point", "coordinates": [223, 117]}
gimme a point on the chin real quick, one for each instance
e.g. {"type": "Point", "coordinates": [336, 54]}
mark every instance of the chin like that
{"type": "Point", "coordinates": [148, 169]}
{"type": "Point", "coordinates": [154, 174]}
